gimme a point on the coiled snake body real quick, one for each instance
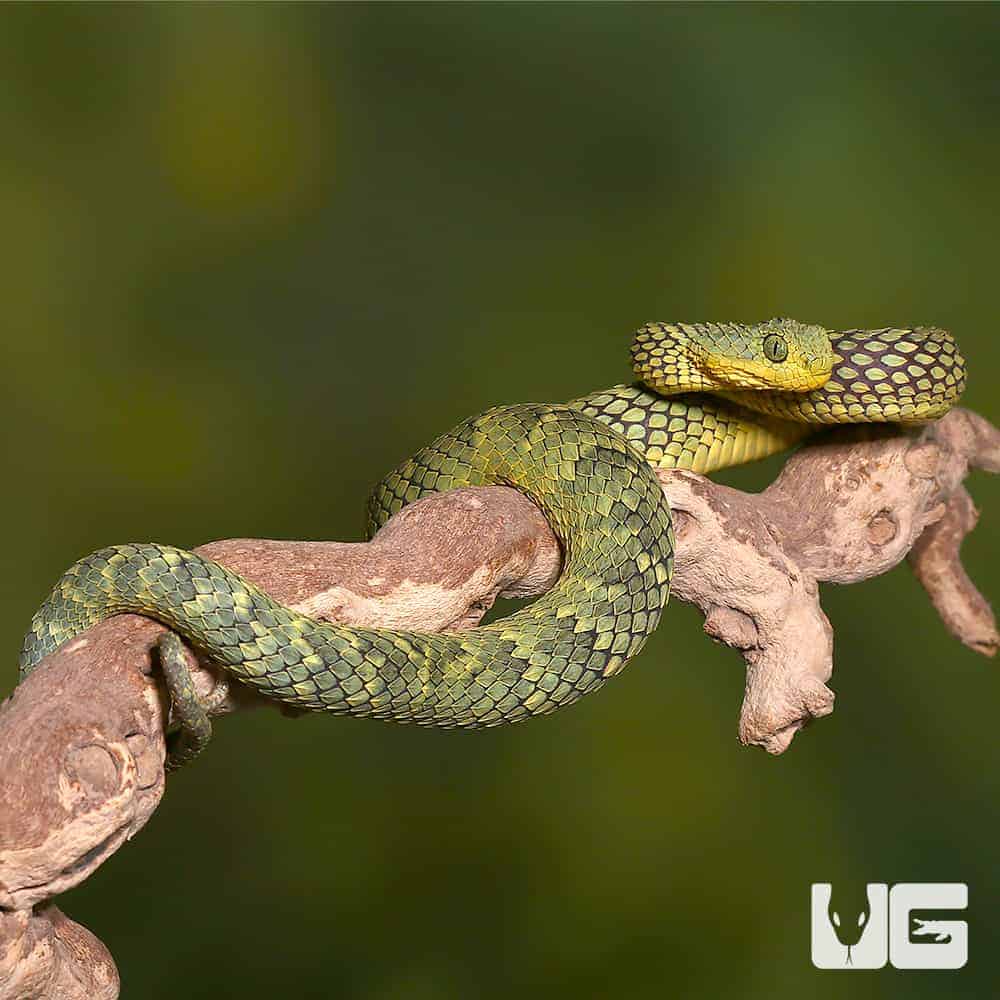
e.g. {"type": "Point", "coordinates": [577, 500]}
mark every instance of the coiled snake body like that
{"type": "Point", "coordinates": [745, 392]}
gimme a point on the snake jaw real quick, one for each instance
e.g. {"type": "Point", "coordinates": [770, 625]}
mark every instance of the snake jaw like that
{"type": "Point", "coordinates": [797, 374]}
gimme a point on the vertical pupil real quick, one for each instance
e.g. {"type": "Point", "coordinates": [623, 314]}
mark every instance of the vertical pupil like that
{"type": "Point", "coordinates": [775, 349]}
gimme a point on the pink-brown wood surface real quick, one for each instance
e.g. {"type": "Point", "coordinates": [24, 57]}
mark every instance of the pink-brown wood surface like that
{"type": "Point", "coordinates": [82, 740]}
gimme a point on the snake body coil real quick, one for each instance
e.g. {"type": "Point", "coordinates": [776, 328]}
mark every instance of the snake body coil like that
{"type": "Point", "coordinates": [589, 467]}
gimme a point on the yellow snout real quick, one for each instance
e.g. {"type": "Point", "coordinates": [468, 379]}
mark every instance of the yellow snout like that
{"type": "Point", "coordinates": [792, 375]}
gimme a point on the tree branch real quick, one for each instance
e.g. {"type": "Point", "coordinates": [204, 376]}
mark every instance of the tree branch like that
{"type": "Point", "coordinates": [81, 741]}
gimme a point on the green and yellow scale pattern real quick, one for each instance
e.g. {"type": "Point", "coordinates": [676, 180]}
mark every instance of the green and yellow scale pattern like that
{"type": "Point", "coordinates": [603, 502]}
{"type": "Point", "coordinates": [690, 431]}
{"type": "Point", "coordinates": [877, 376]}
{"type": "Point", "coordinates": [589, 466]}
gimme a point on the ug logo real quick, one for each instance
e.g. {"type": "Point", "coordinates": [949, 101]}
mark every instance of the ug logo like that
{"type": "Point", "coordinates": [863, 928]}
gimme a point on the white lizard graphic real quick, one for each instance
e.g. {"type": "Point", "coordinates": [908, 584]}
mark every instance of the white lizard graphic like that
{"type": "Point", "coordinates": [939, 928]}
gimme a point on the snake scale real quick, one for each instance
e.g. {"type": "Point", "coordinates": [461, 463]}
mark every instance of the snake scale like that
{"type": "Point", "coordinates": [709, 396]}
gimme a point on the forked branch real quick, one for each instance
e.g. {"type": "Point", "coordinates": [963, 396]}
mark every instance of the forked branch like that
{"type": "Point", "coordinates": [81, 741]}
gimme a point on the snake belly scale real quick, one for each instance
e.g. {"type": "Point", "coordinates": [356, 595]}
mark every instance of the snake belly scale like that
{"type": "Point", "coordinates": [712, 395]}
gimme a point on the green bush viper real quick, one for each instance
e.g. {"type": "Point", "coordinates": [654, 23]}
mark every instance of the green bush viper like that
{"type": "Point", "coordinates": [710, 396]}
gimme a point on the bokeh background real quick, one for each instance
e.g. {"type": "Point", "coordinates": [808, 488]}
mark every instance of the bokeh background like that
{"type": "Point", "coordinates": [254, 255]}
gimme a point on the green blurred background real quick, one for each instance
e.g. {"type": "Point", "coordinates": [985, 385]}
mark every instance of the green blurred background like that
{"type": "Point", "coordinates": [254, 255]}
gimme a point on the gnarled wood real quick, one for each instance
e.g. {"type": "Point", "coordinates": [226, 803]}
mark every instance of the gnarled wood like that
{"type": "Point", "coordinates": [81, 741]}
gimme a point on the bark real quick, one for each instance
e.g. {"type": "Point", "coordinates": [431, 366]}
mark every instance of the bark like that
{"type": "Point", "coordinates": [82, 744]}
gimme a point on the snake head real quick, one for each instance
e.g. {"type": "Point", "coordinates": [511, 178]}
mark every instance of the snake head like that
{"type": "Point", "coordinates": [780, 354]}
{"type": "Point", "coordinates": [849, 911]}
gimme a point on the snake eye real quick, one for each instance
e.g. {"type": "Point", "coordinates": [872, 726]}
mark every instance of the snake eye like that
{"type": "Point", "coordinates": [775, 348]}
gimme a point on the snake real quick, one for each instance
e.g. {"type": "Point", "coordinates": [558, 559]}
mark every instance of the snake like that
{"type": "Point", "coordinates": [707, 396]}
